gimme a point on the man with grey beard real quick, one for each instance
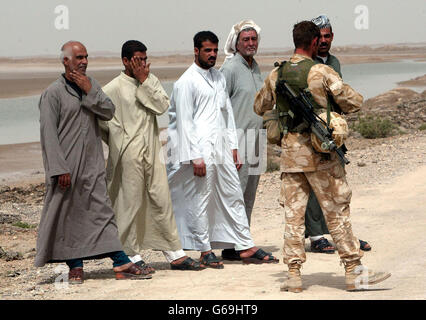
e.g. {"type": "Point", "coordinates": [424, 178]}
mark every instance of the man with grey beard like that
{"type": "Point", "coordinates": [243, 80]}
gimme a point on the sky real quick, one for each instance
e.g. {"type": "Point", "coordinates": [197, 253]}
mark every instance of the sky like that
{"type": "Point", "coordinates": [34, 28]}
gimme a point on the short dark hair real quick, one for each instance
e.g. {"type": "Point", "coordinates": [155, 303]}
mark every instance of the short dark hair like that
{"type": "Point", "coordinates": [202, 36]}
{"type": "Point", "coordinates": [303, 34]}
{"type": "Point", "coordinates": [130, 47]}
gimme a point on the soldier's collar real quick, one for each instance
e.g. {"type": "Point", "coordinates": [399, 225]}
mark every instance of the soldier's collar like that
{"type": "Point", "coordinates": [301, 56]}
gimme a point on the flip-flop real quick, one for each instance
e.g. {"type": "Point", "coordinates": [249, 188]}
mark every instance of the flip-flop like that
{"type": "Point", "coordinates": [141, 264]}
{"type": "Point", "coordinates": [321, 245]}
{"type": "Point", "coordinates": [76, 276]}
{"type": "Point", "coordinates": [230, 255]}
{"type": "Point", "coordinates": [258, 258]}
{"type": "Point", "coordinates": [210, 258]}
{"type": "Point", "coordinates": [187, 264]}
{"type": "Point", "coordinates": [363, 245]}
{"type": "Point", "coordinates": [133, 272]}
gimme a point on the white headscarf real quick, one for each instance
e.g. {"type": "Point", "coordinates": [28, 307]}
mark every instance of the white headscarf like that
{"type": "Point", "coordinates": [231, 42]}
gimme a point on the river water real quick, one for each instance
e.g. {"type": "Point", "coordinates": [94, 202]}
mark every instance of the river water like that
{"type": "Point", "coordinates": [19, 117]}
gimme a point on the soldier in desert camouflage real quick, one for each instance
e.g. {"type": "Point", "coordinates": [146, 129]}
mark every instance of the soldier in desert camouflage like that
{"type": "Point", "coordinates": [304, 169]}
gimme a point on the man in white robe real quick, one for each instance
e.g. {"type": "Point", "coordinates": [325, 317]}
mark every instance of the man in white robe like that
{"type": "Point", "coordinates": [136, 175]}
{"type": "Point", "coordinates": [202, 166]}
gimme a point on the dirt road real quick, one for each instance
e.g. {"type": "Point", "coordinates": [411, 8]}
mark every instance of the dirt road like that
{"type": "Point", "coordinates": [389, 193]}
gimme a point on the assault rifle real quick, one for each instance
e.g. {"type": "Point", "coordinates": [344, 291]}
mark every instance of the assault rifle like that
{"type": "Point", "coordinates": [301, 105]}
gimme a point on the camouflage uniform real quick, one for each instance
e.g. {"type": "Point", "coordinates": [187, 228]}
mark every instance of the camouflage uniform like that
{"type": "Point", "coordinates": [302, 168]}
{"type": "Point", "coordinates": [331, 61]}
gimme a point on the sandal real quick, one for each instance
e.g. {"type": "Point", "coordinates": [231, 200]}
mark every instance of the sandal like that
{"type": "Point", "coordinates": [76, 276]}
{"type": "Point", "coordinates": [322, 246]}
{"type": "Point", "coordinates": [133, 272]}
{"type": "Point", "coordinates": [258, 257]}
{"type": "Point", "coordinates": [210, 258]}
{"type": "Point", "coordinates": [141, 264]}
{"type": "Point", "coordinates": [364, 245]}
{"type": "Point", "coordinates": [187, 264]}
{"type": "Point", "coordinates": [231, 255]}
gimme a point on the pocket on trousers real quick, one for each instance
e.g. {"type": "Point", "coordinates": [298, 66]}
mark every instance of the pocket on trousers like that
{"type": "Point", "coordinates": [282, 191]}
{"type": "Point", "coordinates": [337, 171]}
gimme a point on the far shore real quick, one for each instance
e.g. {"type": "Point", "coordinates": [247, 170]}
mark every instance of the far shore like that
{"type": "Point", "coordinates": [22, 163]}
{"type": "Point", "coordinates": [30, 76]}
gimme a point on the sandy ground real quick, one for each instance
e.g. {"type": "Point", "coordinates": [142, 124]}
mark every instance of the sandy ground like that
{"type": "Point", "coordinates": [21, 163]}
{"type": "Point", "coordinates": [387, 177]}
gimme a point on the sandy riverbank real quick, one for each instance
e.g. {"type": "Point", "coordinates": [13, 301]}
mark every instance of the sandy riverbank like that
{"type": "Point", "coordinates": [30, 76]}
{"type": "Point", "coordinates": [22, 163]}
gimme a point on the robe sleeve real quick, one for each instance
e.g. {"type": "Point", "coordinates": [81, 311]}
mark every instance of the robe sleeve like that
{"type": "Point", "coordinates": [231, 128]}
{"type": "Point", "coordinates": [229, 77]}
{"type": "Point", "coordinates": [189, 149]}
{"type": "Point", "coordinates": [53, 155]}
{"type": "Point", "coordinates": [103, 126]}
{"type": "Point", "coordinates": [152, 95]}
{"type": "Point", "coordinates": [98, 102]}
{"type": "Point", "coordinates": [323, 81]}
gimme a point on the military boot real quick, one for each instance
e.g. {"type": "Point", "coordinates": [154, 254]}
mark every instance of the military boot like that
{"type": "Point", "coordinates": [358, 276]}
{"type": "Point", "coordinates": [293, 283]}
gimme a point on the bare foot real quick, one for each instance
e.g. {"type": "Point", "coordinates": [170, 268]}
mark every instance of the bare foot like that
{"type": "Point", "coordinates": [250, 252]}
{"type": "Point", "coordinates": [130, 271]}
{"type": "Point", "coordinates": [122, 267]}
{"type": "Point", "coordinates": [180, 260]}
{"type": "Point", "coordinates": [126, 266]}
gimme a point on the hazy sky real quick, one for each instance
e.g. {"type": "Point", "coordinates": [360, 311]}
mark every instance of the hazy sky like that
{"type": "Point", "coordinates": [27, 27]}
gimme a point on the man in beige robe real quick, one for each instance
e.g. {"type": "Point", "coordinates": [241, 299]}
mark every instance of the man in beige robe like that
{"type": "Point", "coordinates": [136, 176]}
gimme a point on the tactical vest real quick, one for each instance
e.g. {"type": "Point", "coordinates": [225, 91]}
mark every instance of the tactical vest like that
{"type": "Point", "coordinates": [296, 75]}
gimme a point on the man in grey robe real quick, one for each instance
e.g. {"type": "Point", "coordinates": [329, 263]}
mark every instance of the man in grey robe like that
{"type": "Point", "coordinates": [77, 221]}
{"type": "Point", "coordinates": [243, 80]}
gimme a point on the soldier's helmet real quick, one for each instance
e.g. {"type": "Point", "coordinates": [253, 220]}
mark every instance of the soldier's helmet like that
{"type": "Point", "coordinates": [340, 131]}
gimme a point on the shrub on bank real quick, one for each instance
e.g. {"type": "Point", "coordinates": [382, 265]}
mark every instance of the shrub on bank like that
{"type": "Point", "coordinates": [24, 225]}
{"type": "Point", "coordinates": [372, 127]}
